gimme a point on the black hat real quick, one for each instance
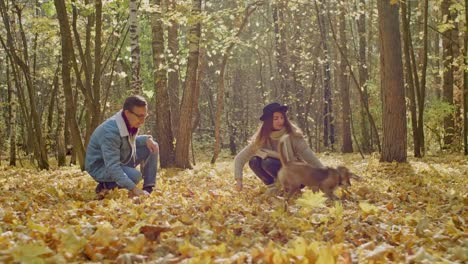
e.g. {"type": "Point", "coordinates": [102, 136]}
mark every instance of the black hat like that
{"type": "Point", "coordinates": [269, 109]}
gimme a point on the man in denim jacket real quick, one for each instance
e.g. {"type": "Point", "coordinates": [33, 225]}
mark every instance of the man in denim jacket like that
{"type": "Point", "coordinates": [115, 149]}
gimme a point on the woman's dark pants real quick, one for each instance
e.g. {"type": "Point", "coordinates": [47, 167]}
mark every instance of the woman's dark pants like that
{"type": "Point", "coordinates": [265, 169]}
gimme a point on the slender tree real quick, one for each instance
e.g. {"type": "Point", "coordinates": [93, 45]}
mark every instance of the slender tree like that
{"type": "Point", "coordinates": [182, 158]}
{"type": "Point", "coordinates": [328, 122]}
{"type": "Point", "coordinates": [220, 93]}
{"type": "Point", "coordinates": [347, 146]}
{"type": "Point", "coordinates": [11, 116]}
{"type": "Point", "coordinates": [134, 46]}
{"type": "Point", "coordinates": [363, 77]}
{"type": "Point", "coordinates": [391, 83]}
{"type": "Point", "coordinates": [164, 134]}
{"type": "Point", "coordinates": [21, 57]}
{"type": "Point", "coordinates": [173, 82]}
{"type": "Point", "coordinates": [67, 55]}
{"type": "Point", "coordinates": [448, 78]}
{"type": "Point", "coordinates": [465, 83]}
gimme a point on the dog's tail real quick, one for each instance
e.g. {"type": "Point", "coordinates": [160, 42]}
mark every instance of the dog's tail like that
{"type": "Point", "coordinates": [283, 150]}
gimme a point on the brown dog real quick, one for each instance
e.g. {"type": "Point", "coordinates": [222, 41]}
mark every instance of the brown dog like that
{"type": "Point", "coordinates": [294, 174]}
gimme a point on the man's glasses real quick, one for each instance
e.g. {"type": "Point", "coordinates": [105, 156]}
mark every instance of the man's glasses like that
{"type": "Point", "coordinates": [141, 117]}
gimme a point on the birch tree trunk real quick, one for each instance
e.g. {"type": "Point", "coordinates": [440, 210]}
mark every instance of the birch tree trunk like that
{"type": "Point", "coordinates": [134, 47]}
{"type": "Point", "coordinates": [182, 158]}
{"type": "Point", "coordinates": [391, 83]}
{"type": "Point", "coordinates": [164, 134]}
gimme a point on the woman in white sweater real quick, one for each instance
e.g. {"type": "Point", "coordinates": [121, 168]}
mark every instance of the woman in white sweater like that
{"type": "Point", "coordinates": [261, 152]}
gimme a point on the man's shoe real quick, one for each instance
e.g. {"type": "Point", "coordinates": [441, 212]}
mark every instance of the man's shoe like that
{"type": "Point", "coordinates": [148, 189]}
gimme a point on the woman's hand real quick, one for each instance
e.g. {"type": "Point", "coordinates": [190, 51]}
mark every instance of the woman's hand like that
{"type": "Point", "coordinates": [239, 185]}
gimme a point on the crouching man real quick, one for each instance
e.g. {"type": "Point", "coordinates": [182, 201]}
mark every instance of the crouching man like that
{"type": "Point", "coordinates": [115, 149]}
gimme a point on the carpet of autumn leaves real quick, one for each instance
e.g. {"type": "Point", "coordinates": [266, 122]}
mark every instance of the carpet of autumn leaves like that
{"type": "Point", "coordinates": [414, 213]}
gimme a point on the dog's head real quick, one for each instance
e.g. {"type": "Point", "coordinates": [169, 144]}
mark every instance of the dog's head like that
{"type": "Point", "coordinates": [345, 176]}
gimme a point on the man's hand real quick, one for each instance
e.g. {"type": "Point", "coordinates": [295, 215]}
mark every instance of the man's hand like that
{"type": "Point", "coordinates": [239, 185]}
{"type": "Point", "coordinates": [152, 145]}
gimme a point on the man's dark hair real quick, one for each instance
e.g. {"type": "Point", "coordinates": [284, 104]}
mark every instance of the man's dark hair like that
{"type": "Point", "coordinates": [134, 100]}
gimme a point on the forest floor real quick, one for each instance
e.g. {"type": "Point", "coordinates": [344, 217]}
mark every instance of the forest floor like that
{"type": "Point", "coordinates": [413, 213]}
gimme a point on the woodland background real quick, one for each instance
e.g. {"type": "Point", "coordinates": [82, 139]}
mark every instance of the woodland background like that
{"type": "Point", "coordinates": [208, 68]}
{"type": "Point", "coordinates": [379, 86]}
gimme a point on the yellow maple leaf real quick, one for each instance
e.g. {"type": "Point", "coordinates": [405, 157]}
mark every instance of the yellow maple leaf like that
{"type": "Point", "coordinates": [337, 210]}
{"type": "Point", "coordinates": [136, 244]}
{"type": "Point", "coordinates": [187, 249]}
{"type": "Point", "coordinates": [37, 227]}
{"type": "Point", "coordinates": [71, 244]}
{"type": "Point", "coordinates": [30, 253]}
{"type": "Point", "coordinates": [310, 199]}
{"type": "Point", "coordinates": [105, 233]}
{"type": "Point", "coordinates": [326, 256]}
{"type": "Point", "coordinates": [299, 247]}
{"type": "Point", "coordinates": [368, 209]}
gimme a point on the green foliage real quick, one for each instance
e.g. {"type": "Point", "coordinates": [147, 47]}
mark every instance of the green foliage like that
{"type": "Point", "coordinates": [435, 114]}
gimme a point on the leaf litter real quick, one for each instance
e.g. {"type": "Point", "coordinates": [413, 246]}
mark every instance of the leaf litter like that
{"type": "Point", "coordinates": [414, 212]}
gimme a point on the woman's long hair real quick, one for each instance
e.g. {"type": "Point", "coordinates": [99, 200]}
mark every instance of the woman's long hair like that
{"type": "Point", "coordinates": [263, 132]}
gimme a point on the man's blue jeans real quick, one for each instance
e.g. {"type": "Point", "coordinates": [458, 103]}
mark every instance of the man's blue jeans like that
{"type": "Point", "coordinates": [148, 169]}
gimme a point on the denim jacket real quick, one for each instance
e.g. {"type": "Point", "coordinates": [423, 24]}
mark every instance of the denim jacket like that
{"type": "Point", "coordinates": [110, 147]}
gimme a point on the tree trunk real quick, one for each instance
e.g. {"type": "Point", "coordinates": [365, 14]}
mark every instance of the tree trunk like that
{"type": "Point", "coordinates": [201, 72]}
{"type": "Point", "coordinates": [447, 79]}
{"type": "Point", "coordinates": [134, 46]}
{"type": "Point", "coordinates": [60, 130]}
{"type": "Point", "coordinates": [173, 65]}
{"type": "Point", "coordinates": [182, 158]}
{"type": "Point", "coordinates": [11, 117]}
{"type": "Point", "coordinates": [220, 93]}
{"type": "Point", "coordinates": [67, 50]}
{"type": "Point", "coordinates": [35, 132]}
{"type": "Point", "coordinates": [164, 134]}
{"type": "Point", "coordinates": [363, 79]}
{"type": "Point", "coordinates": [347, 146]}
{"type": "Point", "coordinates": [328, 122]}
{"type": "Point", "coordinates": [96, 90]}
{"type": "Point", "coordinates": [410, 82]}
{"type": "Point", "coordinates": [422, 87]}
{"type": "Point", "coordinates": [465, 84]}
{"type": "Point", "coordinates": [392, 85]}
{"type": "Point", "coordinates": [281, 52]}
